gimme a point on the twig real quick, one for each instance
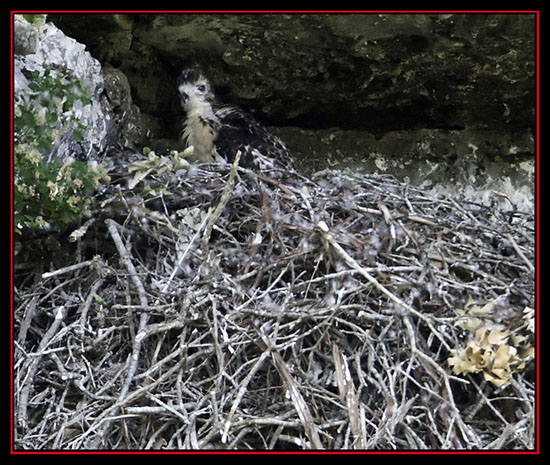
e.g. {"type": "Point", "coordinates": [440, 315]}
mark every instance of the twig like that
{"type": "Point", "coordinates": [33, 366]}
{"type": "Point", "coordinates": [351, 262]}
{"type": "Point", "coordinates": [348, 395]}
{"type": "Point", "coordinates": [520, 253]}
{"type": "Point", "coordinates": [300, 404]}
{"type": "Point", "coordinates": [144, 317]}
{"type": "Point", "coordinates": [125, 255]}
{"type": "Point", "coordinates": [240, 394]}
{"type": "Point", "coordinates": [373, 303]}
{"type": "Point", "coordinates": [69, 269]}
{"type": "Point", "coordinates": [186, 251]}
{"type": "Point", "coordinates": [216, 213]}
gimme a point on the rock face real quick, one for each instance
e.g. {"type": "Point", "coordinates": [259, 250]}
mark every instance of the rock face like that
{"type": "Point", "coordinates": [44, 49]}
{"type": "Point", "coordinates": [457, 90]}
{"type": "Point", "coordinates": [109, 117]}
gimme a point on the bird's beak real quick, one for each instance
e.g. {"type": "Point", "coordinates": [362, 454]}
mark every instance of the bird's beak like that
{"type": "Point", "coordinates": [184, 97]}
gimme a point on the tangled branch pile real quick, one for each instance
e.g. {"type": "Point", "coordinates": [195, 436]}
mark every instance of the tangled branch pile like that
{"type": "Point", "coordinates": [220, 308]}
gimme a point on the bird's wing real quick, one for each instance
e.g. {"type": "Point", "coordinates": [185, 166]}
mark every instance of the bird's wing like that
{"type": "Point", "coordinates": [240, 131]}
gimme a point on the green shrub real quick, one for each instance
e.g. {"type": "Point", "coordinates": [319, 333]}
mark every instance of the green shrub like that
{"type": "Point", "coordinates": [49, 193]}
{"type": "Point", "coordinates": [35, 18]}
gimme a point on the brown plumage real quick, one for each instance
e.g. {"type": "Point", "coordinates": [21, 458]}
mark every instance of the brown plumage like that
{"type": "Point", "coordinates": [218, 131]}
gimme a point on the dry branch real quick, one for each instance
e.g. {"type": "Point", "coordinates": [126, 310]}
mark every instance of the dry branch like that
{"type": "Point", "coordinates": [231, 309]}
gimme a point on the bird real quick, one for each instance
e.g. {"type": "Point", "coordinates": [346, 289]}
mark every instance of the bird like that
{"type": "Point", "coordinates": [215, 132]}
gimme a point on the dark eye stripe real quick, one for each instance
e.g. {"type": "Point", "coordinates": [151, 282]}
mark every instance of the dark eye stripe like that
{"type": "Point", "coordinates": [201, 87]}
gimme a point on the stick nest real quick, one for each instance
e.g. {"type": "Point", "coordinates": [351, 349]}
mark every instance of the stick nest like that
{"type": "Point", "coordinates": [219, 308]}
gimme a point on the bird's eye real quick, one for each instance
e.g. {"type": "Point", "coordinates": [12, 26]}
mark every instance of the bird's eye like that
{"type": "Point", "coordinates": [201, 87]}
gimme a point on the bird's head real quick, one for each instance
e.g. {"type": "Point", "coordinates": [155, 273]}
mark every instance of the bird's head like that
{"type": "Point", "coordinates": [194, 88]}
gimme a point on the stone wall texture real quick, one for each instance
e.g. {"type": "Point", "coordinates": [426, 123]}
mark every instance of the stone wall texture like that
{"type": "Point", "coordinates": [436, 97]}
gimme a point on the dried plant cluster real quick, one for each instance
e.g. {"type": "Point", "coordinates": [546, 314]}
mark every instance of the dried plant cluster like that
{"type": "Point", "coordinates": [224, 309]}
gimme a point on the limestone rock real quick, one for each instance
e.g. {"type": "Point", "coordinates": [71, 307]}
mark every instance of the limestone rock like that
{"type": "Point", "coordinates": [109, 119]}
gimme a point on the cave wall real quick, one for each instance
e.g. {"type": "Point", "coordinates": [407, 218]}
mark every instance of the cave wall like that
{"type": "Point", "coordinates": [454, 91]}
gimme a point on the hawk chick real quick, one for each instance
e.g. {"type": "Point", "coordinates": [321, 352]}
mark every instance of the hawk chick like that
{"type": "Point", "coordinates": [215, 130]}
